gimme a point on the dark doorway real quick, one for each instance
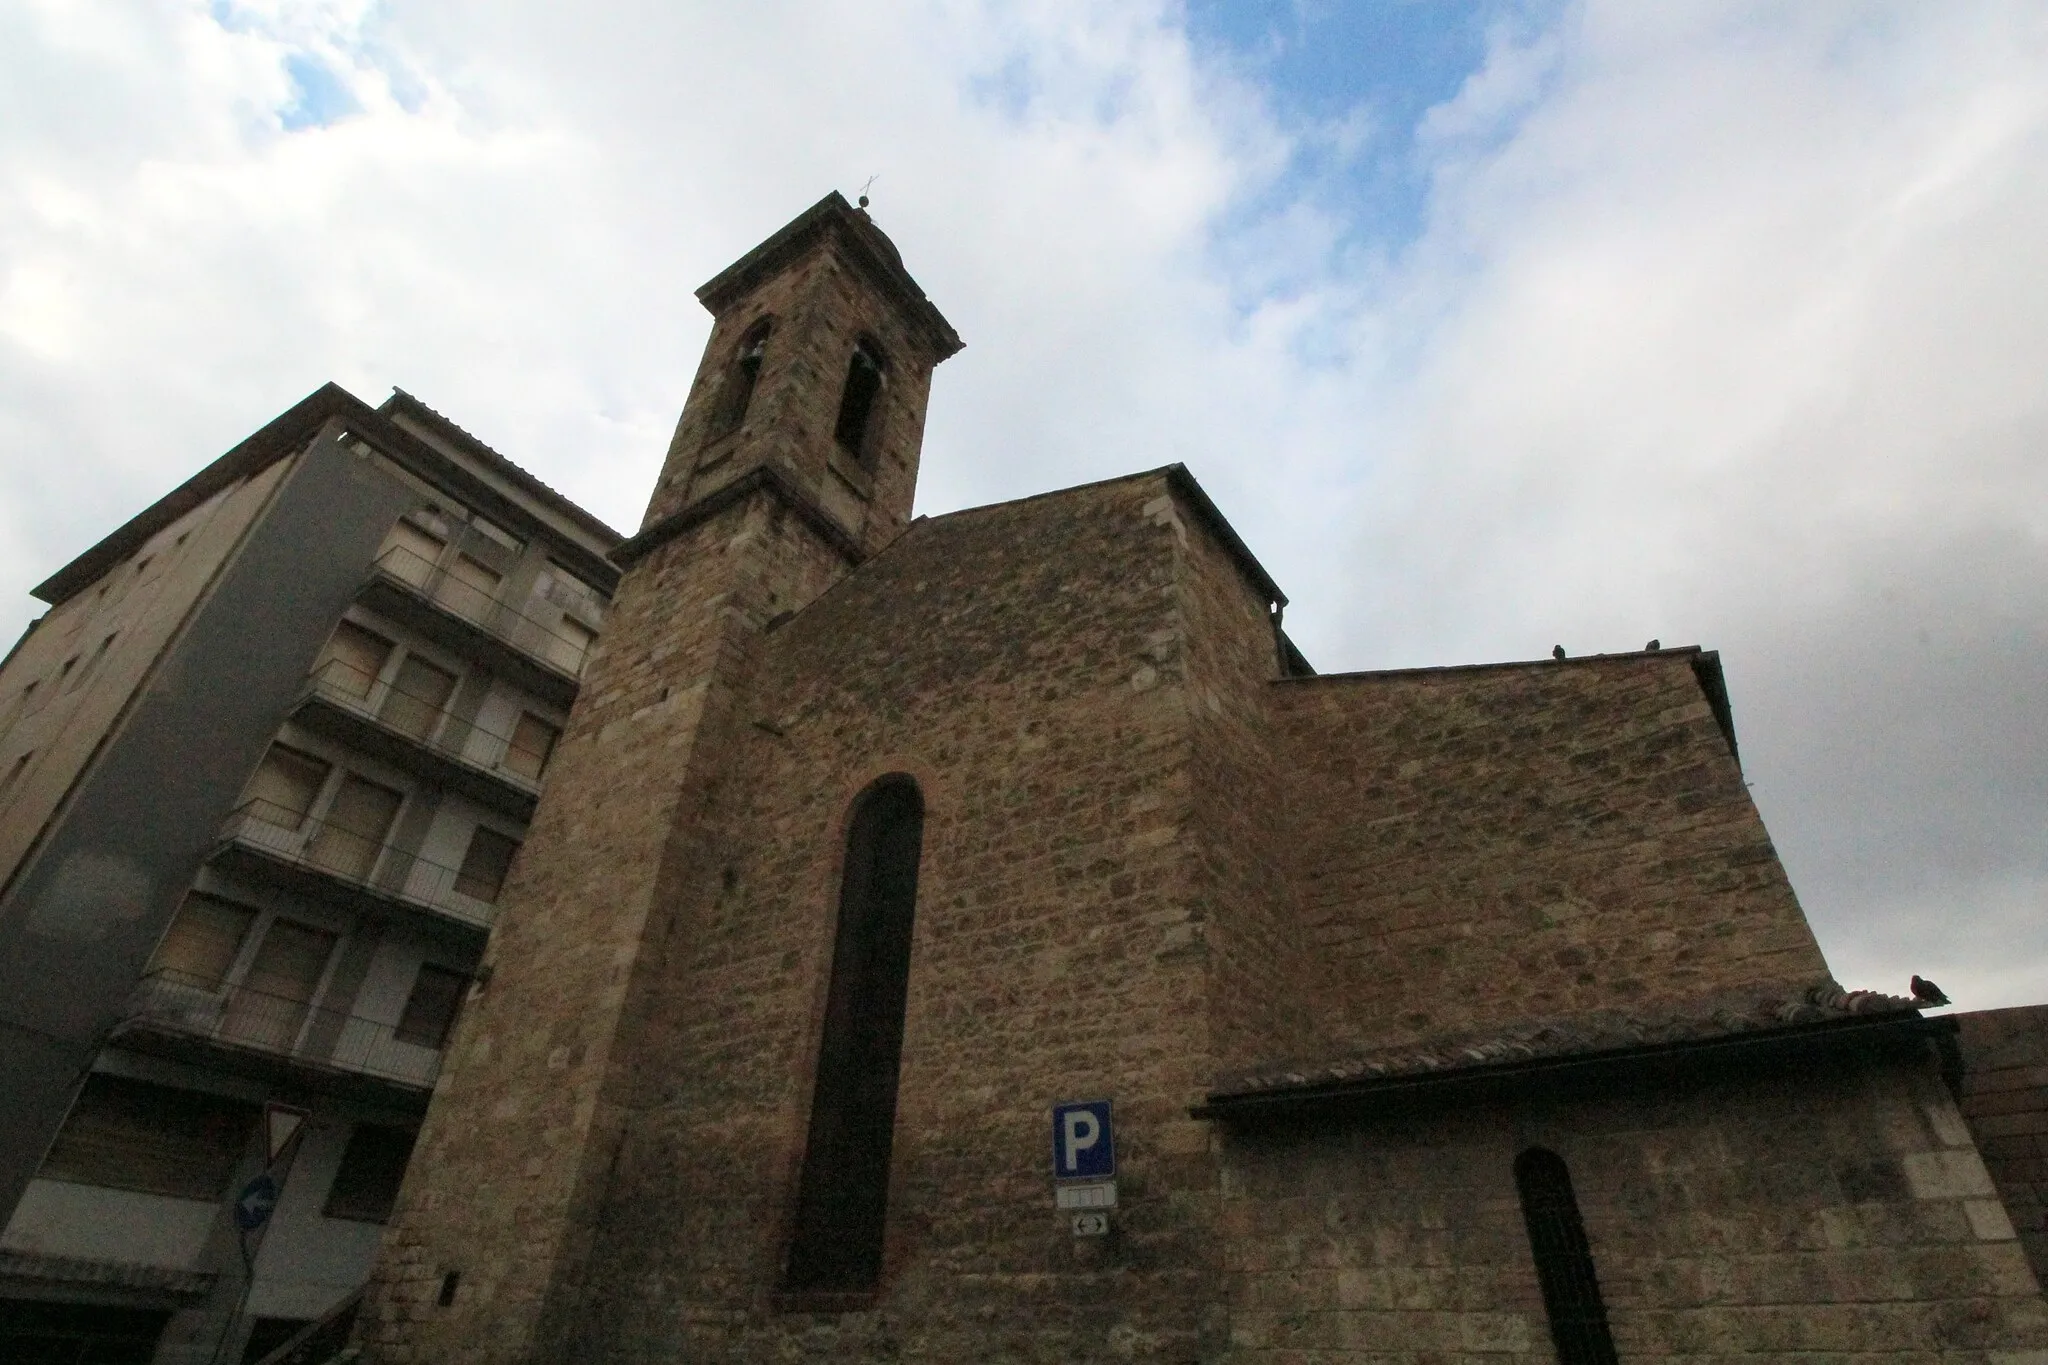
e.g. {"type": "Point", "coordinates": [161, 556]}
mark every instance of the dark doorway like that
{"type": "Point", "coordinates": [843, 1199]}
{"type": "Point", "coordinates": [37, 1333]}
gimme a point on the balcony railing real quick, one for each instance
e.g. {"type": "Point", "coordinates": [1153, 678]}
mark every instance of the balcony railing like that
{"type": "Point", "coordinates": [174, 1002]}
{"type": "Point", "coordinates": [359, 860]}
{"type": "Point", "coordinates": [430, 724]}
{"type": "Point", "coordinates": [422, 578]}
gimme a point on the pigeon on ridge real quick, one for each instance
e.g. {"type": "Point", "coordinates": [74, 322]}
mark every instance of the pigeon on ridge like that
{"type": "Point", "coordinates": [1927, 993]}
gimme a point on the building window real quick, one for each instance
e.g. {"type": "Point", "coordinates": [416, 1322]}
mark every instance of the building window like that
{"type": "Point", "coordinates": [471, 587]}
{"type": "Point", "coordinates": [267, 1335]}
{"type": "Point", "coordinates": [203, 942]}
{"type": "Point", "coordinates": [740, 379]}
{"type": "Point", "coordinates": [482, 875]}
{"type": "Point", "coordinates": [430, 1009]}
{"type": "Point", "coordinates": [1564, 1260]}
{"type": "Point", "coordinates": [285, 786]}
{"type": "Point", "coordinates": [372, 1165]}
{"type": "Point", "coordinates": [843, 1196]}
{"type": "Point", "coordinates": [533, 740]}
{"type": "Point", "coordinates": [12, 778]}
{"type": "Point", "coordinates": [857, 403]}
{"type": "Point", "coordinates": [419, 695]}
{"type": "Point", "coordinates": [130, 1135]}
{"type": "Point", "coordinates": [572, 642]}
{"type": "Point", "coordinates": [411, 552]}
{"type": "Point", "coordinates": [92, 664]}
{"type": "Point", "coordinates": [351, 838]}
{"type": "Point", "coordinates": [270, 1008]}
{"type": "Point", "coordinates": [353, 660]}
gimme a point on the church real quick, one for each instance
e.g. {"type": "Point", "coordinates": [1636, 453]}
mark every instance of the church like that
{"type": "Point", "coordinates": [984, 937]}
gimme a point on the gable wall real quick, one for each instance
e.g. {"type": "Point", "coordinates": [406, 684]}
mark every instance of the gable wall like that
{"type": "Point", "coordinates": [2005, 1099]}
{"type": "Point", "coordinates": [1481, 847]}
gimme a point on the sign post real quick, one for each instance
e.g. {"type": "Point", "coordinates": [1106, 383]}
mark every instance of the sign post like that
{"type": "Point", "coordinates": [255, 1202]}
{"type": "Point", "coordinates": [1084, 1164]}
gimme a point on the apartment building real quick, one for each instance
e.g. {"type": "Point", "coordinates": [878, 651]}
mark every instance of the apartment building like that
{"type": "Point", "coordinates": [264, 765]}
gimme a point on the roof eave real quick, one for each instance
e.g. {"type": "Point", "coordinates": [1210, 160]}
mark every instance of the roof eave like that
{"type": "Point", "coordinates": [502, 465]}
{"type": "Point", "coordinates": [1317, 1099]}
{"type": "Point", "coordinates": [268, 444]}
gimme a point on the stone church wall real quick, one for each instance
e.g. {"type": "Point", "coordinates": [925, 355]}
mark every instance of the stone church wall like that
{"type": "Point", "coordinates": [1482, 846]}
{"type": "Point", "coordinates": [1041, 701]}
{"type": "Point", "coordinates": [1828, 1213]}
{"type": "Point", "coordinates": [2005, 1099]}
{"type": "Point", "coordinates": [1244, 900]}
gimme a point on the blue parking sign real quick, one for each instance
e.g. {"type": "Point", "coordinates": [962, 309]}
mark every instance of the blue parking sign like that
{"type": "Point", "coordinates": [1083, 1147]}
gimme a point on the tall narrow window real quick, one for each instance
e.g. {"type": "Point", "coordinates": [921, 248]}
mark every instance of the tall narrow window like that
{"type": "Point", "coordinates": [1564, 1260]}
{"type": "Point", "coordinates": [844, 1193]}
{"type": "Point", "coordinates": [738, 391]}
{"type": "Point", "coordinates": [857, 404]}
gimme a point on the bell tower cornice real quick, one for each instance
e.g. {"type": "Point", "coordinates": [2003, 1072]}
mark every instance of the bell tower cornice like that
{"type": "Point", "coordinates": [861, 243]}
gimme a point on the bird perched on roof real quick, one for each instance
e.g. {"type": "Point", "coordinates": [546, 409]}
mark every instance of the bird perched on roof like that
{"type": "Point", "coordinates": [1927, 993]}
{"type": "Point", "coordinates": [1557, 651]}
{"type": "Point", "coordinates": [1653, 646]}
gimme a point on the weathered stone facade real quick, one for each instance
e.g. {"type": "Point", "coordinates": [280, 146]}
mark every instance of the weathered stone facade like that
{"type": "Point", "coordinates": [2005, 1099]}
{"type": "Point", "coordinates": [1326, 941]}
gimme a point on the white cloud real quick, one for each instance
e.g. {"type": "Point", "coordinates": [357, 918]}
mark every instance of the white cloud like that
{"type": "Point", "coordinates": [1724, 325]}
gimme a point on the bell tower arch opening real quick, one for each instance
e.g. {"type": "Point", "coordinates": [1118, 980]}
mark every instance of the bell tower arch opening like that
{"type": "Point", "coordinates": [741, 376]}
{"type": "Point", "coordinates": [857, 401]}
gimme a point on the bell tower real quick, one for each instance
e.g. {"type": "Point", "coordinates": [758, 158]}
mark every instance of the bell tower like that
{"type": "Point", "coordinates": [795, 459]}
{"type": "Point", "coordinates": [815, 379]}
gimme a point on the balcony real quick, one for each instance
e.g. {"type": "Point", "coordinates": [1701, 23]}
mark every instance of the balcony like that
{"type": "Point", "coordinates": [421, 736]}
{"type": "Point", "coordinates": [179, 1007]}
{"type": "Point", "coordinates": [461, 616]}
{"type": "Point", "coordinates": [335, 863]}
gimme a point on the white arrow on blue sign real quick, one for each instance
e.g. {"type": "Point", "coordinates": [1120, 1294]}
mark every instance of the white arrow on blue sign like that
{"type": "Point", "coordinates": [1083, 1147]}
{"type": "Point", "coordinates": [254, 1205]}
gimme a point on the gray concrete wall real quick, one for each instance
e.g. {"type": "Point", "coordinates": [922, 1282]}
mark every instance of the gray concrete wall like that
{"type": "Point", "coordinates": [86, 909]}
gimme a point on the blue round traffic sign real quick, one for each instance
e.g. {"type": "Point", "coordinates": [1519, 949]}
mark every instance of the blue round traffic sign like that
{"type": "Point", "coordinates": [254, 1205]}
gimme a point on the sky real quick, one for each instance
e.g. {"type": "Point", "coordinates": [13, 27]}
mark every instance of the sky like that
{"type": "Point", "coordinates": [1491, 325]}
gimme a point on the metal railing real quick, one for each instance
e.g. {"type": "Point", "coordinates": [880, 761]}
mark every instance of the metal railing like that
{"type": "Point", "coordinates": [426, 722]}
{"type": "Point", "coordinates": [321, 1342]}
{"type": "Point", "coordinates": [481, 609]}
{"type": "Point", "coordinates": [169, 1001]}
{"type": "Point", "coordinates": [359, 859]}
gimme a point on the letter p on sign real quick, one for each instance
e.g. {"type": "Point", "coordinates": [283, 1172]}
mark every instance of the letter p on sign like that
{"type": "Point", "coordinates": [1083, 1146]}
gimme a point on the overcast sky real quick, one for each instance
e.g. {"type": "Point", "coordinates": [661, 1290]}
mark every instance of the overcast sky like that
{"type": "Point", "coordinates": [1492, 326]}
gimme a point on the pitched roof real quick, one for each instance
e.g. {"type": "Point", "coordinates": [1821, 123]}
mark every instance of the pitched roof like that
{"type": "Point", "coordinates": [1760, 1011]}
{"type": "Point", "coordinates": [403, 404]}
{"type": "Point", "coordinates": [288, 432]}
